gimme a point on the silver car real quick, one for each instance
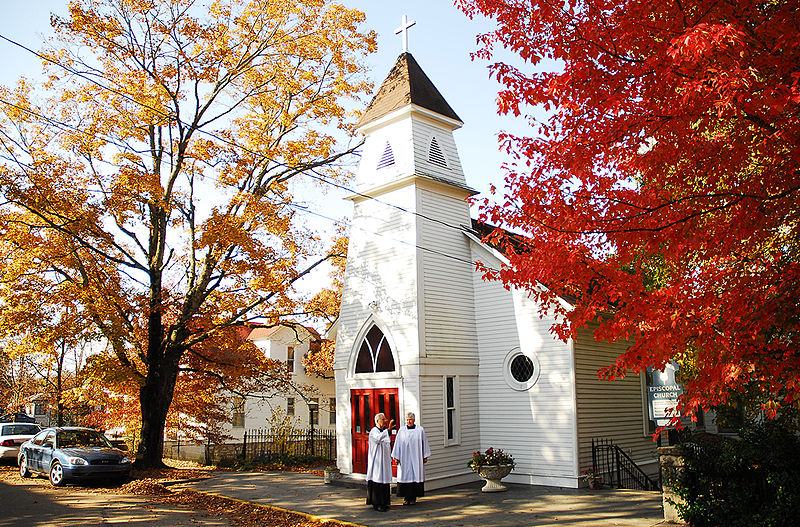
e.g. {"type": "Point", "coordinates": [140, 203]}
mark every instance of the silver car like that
{"type": "Point", "coordinates": [72, 453]}
{"type": "Point", "coordinates": [12, 435]}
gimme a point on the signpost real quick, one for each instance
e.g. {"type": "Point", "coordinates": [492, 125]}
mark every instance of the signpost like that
{"type": "Point", "coordinates": [662, 393]}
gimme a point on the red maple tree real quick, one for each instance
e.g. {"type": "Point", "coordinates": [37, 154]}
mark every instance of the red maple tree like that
{"type": "Point", "coordinates": [659, 182]}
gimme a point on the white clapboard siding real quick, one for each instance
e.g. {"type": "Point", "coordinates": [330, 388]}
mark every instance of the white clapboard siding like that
{"type": "Point", "coordinates": [448, 299]}
{"type": "Point", "coordinates": [260, 406]}
{"type": "Point", "coordinates": [449, 461]}
{"type": "Point", "coordinates": [608, 409]}
{"type": "Point", "coordinates": [380, 275]}
{"type": "Point", "coordinates": [537, 426]}
{"type": "Point", "coordinates": [423, 130]}
{"type": "Point", "coordinates": [399, 135]}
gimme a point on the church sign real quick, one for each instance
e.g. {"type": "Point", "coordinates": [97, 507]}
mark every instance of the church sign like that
{"type": "Point", "coordinates": [662, 393]}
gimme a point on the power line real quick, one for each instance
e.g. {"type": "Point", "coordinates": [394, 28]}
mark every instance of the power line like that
{"type": "Point", "coordinates": [350, 224]}
{"type": "Point", "coordinates": [293, 205]}
{"type": "Point", "coordinates": [310, 172]}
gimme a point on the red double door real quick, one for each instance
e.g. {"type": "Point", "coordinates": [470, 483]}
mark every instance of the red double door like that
{"type": "Point", "coordinates": [365, 404]}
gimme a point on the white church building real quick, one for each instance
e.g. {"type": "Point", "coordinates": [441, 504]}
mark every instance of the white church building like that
{"type": "Point", "coordinates": [420, 331]}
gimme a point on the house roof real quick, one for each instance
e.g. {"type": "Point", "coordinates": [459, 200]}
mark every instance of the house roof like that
{"type": "Point", "coordinates": [262, 332]}
{"type": "Point", "coordinates": [406, 84]}
{"type": "Point", "coordinates": [265, 331]}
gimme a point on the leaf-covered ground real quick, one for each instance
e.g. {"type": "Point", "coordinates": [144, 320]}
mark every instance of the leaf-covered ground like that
{"type": "Point", "coordinates": [159, 485]}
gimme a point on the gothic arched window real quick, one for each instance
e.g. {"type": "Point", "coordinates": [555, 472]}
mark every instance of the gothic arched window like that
{"type": "Point", "coordinates": [375, 354]}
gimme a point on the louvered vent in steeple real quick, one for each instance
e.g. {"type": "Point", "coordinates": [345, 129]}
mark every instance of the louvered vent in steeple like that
{"type": "Point", "coordinates": [387, 158]}
{"type": "Point", "coordinates": [435, 154]}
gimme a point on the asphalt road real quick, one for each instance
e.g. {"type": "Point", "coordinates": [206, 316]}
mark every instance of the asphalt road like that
{"type": "Point", "coordinates": [33, 502]}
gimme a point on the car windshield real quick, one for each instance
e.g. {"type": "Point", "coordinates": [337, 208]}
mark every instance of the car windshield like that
{"type": "Point", "coordinates": [19, 430]}
{"type": "Point", "coordinates": [81, 438]}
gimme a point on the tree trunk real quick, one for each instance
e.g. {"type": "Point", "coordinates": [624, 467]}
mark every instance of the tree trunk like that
{"type": "Point", "coordinates": [59, 386]}
{"type": "Point", "coordinates": [155, 398]}
{"type": "Point", "coordinates": [155, 395]}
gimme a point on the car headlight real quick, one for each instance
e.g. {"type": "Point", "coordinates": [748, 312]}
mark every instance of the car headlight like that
{"type": "Point", "coordinates": [77, 461]}
{"type": "Point", "coordinates": [124, 460]}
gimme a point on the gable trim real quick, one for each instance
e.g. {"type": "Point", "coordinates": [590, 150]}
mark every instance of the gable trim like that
{"type": "Point", "coordinates": [406, 111]}
{"type": "Point", "coordinates": [503, 260]}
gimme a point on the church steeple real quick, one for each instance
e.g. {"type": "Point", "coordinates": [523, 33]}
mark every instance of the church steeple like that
{"type": "Point", "coordinates": [408, 130]}
{"type": "Point", "coordinates": [407, 85]}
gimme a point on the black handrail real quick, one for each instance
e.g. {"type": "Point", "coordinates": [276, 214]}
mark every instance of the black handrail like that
{"type": "Point", "coordinates": [617, 468]}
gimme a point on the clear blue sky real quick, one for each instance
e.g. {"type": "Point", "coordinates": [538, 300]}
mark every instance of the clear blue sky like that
{"type": "Point", "coordinates": [441, 41]}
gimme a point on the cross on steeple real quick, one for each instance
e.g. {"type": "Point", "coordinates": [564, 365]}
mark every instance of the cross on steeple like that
{"type": "Point", "coordinates": [403, 29]}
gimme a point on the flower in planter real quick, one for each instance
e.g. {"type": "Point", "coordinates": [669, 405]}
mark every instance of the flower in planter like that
{"type": "Point", "coordinates": [591, 477]}
{"type": "Point", "coordinates": [492, 456]}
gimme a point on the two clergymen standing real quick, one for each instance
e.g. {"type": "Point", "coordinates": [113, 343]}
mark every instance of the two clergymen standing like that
{"type": "Point", "coordinates": [411, 451]}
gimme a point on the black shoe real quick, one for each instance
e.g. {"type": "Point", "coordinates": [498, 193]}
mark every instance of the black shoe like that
{"type": "Point", "coordinates": [383, 509]}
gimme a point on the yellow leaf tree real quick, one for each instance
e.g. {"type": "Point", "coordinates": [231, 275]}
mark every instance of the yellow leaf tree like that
{"type": "Point", "coordinates": [152, 179]}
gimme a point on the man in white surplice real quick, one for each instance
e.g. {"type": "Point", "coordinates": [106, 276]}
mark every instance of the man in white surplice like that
{"type": "Point", "coordinates": [411, 451]}
{"type": "Point", "coordinates": [379, 464]}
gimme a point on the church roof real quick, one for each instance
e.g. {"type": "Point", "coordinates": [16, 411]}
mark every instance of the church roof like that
{"type": "Point", "coordinates": [406, 84]}
{"type": "Point", "coordinates": [518, 241]}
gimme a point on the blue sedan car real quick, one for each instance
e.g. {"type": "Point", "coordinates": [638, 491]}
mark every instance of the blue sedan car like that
{"type": "Point", "coordinates": [71, 453]}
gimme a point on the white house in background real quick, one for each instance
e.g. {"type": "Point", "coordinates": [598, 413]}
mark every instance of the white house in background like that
{"type": "Point", "coordinates": [287, 344]}
{"type": "Point", "coordinates": [420, 331]}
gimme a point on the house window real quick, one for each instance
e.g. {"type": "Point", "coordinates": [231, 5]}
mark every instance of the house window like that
{"type": "Point", "coordinates": [238, 412]}
{"type": "Point", "coordinates": [332, 411]}
{"type": "Point", "coordinates": [290, 406]}
{"type": "Point", "coordinates": [375, 354]}
{"type": "Point", "coordinates": [290, 359]}
{"type": "Point", "coordinates": [451, 410]}
{"type": "Point", "coordinates": [39, 409]}
{"type": "Point", "coordinates": [313, 411]}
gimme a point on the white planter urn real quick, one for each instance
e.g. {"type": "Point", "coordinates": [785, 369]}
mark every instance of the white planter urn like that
{"type": "Point", "coordinates": [493, 474]}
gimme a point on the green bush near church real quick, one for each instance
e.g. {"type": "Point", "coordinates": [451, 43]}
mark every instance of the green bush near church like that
{"type": "Point", "coordinates": [750, 481]}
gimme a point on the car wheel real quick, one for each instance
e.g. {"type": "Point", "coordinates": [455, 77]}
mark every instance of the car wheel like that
{"type": "Point", "coordinates": [56, 474]}
{"type": "Point", "coordinates": [23, 467]}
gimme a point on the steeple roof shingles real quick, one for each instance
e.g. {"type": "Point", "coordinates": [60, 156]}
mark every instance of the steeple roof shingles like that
{"type": "Point", "coordinates": [406, 84]}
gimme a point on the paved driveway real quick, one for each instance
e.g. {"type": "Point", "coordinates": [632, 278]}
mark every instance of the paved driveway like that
{"type": "Point", "coordinates": [462, 506]}
{"type": "Point", "coordinates": [40, 506]}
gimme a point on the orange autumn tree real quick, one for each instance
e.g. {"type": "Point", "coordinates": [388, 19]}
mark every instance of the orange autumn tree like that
{"type": "Point", "coordinates": [41, 321]}
{"type": "Point", "coordinates": [18, 382]}
{"type": "Point", "coordinates": [153, 174]}
{"type": "Point", "coordinates": [324, 306]}
{"type": "Point", "coordinates": [223, 366]}
{"type": "Point", "coordinates": [659, 184]}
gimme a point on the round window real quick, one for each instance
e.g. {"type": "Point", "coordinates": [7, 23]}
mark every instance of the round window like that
{"type": "Point", "coordinates": [521, 370]}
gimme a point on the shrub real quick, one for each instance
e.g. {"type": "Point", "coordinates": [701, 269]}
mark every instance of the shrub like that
{"type": "Point", "coordinates": [747, 482]}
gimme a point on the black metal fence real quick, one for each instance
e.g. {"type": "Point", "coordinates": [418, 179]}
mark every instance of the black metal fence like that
{"type": "Point", "coordinates": [617, 469]}
{"type": "Point", "coordinates": [268, 445]}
